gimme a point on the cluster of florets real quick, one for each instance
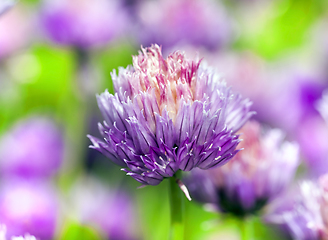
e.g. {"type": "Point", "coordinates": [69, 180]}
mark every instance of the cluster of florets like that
{"type": "Point", "coordinates": [253, 177]}
{"type": "Point", "coordinates": [169, 114]}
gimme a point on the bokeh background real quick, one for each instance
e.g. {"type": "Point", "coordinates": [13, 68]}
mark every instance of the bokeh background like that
{"type": "Point", "coordinates": [56, 55]}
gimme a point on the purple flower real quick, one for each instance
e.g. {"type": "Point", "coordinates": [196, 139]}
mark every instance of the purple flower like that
{"type": "Point", "coordinates": [313, 141]}
{"type": "Point", "coordinates": [28, 207]}
{"type": "Point", "coordinates": [196, 22]}
{"type": "Point", "coordinates": [169, 114]}
{"type": "Point", "coordinates": [285, 86]}
{"type": "Point", "coordinates": [33, 148]}
{"type": "Point", "coordinates": [322, 105]}
{"type": "Point", "coordinates": [83, 23]}
{"type": "Point", "coordinates": [111, 210]}
{"type": "Point", "coordinates": [3, 231]}
{"type": "Point", "coordinates": [308, 216]}
{"type": "Point", "coordinates": [253, 177]}
{"type": "Point", "coordinates": [301, 94]}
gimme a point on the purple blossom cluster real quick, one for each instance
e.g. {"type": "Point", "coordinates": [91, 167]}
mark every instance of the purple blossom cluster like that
{"type": "Point", "coordinates": [306, 218]}
{"type": "Point", "coordinates": [168, 115]}
{"type": "Point", "coordinates": [28, 207]}
{"type": "Point", "coordinates": [28, 199]}
{"type": "Point", "coordinates": [30, 203]}
{"type": "Point", "coordinates": [112, 210]}
{"type": "Point", "coordinates": [83, 23]}
{"type": "Point", "coordinates": [19, 157]}
{"type": "Point", "coordinates": [253, 177]}
{"type": "Point", "coordinates": [176, 23]}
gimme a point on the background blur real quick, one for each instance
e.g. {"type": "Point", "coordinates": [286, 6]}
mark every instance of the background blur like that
{"type": "Point", "coordinates": [56, 55]}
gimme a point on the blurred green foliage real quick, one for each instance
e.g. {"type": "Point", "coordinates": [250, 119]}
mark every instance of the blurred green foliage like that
{"type": "Point", "coordinates": [282, 26]}
{"type": "Point", "coordinates": [75, 230]}
{"type": "Point", "coordinates": [48, 89]}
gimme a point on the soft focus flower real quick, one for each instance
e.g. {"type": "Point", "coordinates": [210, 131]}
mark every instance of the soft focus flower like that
{"type": "Point", "coordinates": [111, 210]}
{"type": "Point", "coordinates": [313, 137]}
{"type": "Point", "coordinates": [322, 105]}
{"type": "Point", "coordinates": [15, 30]}
{"type": "Point", "coordinates": [83, 23]}
{"type": "Point", "coordinates": [169, 114]}
{"type": "Point", "coordinates": [196, 22]}
{"type": "Point", "coordinates": [28, 207]}
{"type": "Point", "coordinates": [33, 148]}
{"type": "Point", "coordinates": [296, 112]}
{"type": "Point", "coordinates": [300, 94]}
{"type": "Point", "coordinates": [308, 217]}
{"type": "Point", "coordinates": [3, 235]}
{"type": "Point", "coordinates": [253, 177]}
{"type": "Point", "coordinates": [291, 90]}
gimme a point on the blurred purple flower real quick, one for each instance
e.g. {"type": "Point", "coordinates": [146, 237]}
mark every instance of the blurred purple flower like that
{"type": "Point", "coordinates": [313, 137]}
{"type": "Point", "coordinates": [253, 177]}
{"type": "Point", "coordinates": [33, 148]}
{"type": "Point", "coordinates": [12, 40]}
{"type": "Point", "coordinates": [322, 105]}
{"type": "Point", "coordinates": [196, 22]}
{"type": "Point", "coordinates": [300, 94]}
{"type": "Point", "coordinates": [111, 211]}
{"type": "Point", "coordinates": [28, 207]}
{"type": "Point", "coordinates": [308, 216]}
{"type": "Point", "coordinates": [169, 114]}
{"type": "Point", "coordinates": [285, 85]}
{"type": "Point", "coordinates": [293, 108]}
{"type": "Point", "coordinates": [3, 231]}
{"type": "Point", "coordinates": [83, 23]}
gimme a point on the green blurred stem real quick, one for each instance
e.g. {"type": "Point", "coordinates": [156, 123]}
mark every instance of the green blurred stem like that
{"type": "Point", "coordinates": [177, 208]}
{"type": "Point", "coordinates": [246, 228]}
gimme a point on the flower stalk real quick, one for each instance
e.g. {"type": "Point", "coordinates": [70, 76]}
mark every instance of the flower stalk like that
{"type": "Point", "coordinates": [246, 228]}
{"type": "Point", "coordinates": [177, 208]}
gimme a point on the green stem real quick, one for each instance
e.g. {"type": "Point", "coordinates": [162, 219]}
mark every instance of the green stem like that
{"type": "Point", "coordinates": [177, 208]}
{"type": "Point", "coordinates": [246, 228]}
